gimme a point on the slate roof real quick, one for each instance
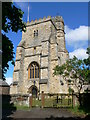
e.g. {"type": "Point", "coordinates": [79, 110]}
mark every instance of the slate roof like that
{"type": "Point", "coordinates": [3, 83]}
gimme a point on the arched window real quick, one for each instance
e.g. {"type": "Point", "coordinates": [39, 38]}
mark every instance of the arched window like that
{"type": "Point", "coordinates": [33, 70]}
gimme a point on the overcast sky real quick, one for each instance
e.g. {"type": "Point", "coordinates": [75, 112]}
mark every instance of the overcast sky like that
{"type": "Point", "coordinates": [75, 16]}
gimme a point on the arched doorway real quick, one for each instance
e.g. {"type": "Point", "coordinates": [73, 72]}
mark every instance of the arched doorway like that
{"type": "Point", "coordinates": [33, 90]}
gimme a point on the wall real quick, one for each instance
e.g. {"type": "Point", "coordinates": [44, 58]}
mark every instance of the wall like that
{"type": "Point", "coordinates": [4, 90]}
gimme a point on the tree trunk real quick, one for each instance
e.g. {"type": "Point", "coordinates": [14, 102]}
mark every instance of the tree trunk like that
{"type": "Point", "coordinates": [80, 99]}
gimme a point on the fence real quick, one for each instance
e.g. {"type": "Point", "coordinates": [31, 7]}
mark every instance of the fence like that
{"type": "Point", "coordinates": [48, 100]}
{"type": "Point", "coordinates": [53, 100]}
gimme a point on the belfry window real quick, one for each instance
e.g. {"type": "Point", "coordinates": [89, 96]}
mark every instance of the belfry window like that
{"type": "Point", "coordinates": [35, 33]}
{"type": "Point", "coordinates": [33, 70]}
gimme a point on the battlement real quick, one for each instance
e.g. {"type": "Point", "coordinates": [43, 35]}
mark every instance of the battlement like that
{"type": "Point", "coordinates": [44, 19]}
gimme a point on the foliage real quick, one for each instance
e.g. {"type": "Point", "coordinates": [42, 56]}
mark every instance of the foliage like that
{"type": "Point", "coordinates": [7, 49]}
{"type": "Point", "coordinates": [70, 90]}
{"type": "Point", "coordinates": [79, 112]}
{"type": "Point", "coordinates": [72, 70]}
{"type": "Point", "coordinates": [11, 20]}
{"type": "Point", "coordinates": [75, 70]}
{"type": "Point", "coordinates": [87, 63]}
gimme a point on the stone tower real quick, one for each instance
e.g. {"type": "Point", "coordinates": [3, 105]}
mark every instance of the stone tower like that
{"type": "Point", "coordinates": [42, 48]}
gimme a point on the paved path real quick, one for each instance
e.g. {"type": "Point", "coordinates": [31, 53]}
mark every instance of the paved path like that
{"type": "Point", "coordinates": [42, 113]}
{"type": "Point", "coordinates": [45, 114]}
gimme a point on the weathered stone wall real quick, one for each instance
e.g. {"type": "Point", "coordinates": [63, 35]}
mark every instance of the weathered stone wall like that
{"type": "Point", "coordinates": [16, 76]}
{"type": "Point", "coordinates": [18, 53]}
{"type": "Point", "coordinates": [43, 87]}
{"type": "Point", "coordinates": [4, 90]}
{"type": "Point", "coordinates": [13, 89]}
{"type": "Point", "coordinates": [58, 56]}
{"type": "Point", "coordinates": [20, 99]}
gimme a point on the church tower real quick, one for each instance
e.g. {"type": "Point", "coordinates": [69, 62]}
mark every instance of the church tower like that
{"type": "Point", "coordinates": [42, 48]}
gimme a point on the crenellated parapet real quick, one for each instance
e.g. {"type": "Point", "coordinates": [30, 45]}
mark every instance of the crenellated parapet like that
{"type": "Point", "coordinates": [36, 21]}
{"type": "Point", "coordinates": [57, 21]}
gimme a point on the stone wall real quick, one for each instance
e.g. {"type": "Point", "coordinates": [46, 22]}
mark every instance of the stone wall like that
{"type": "Point", "coordinates": [13, 89]}
{"type": "Point", "coordinates": [20, 99]}
{"type": "Point", "coordinates": [4, 90]}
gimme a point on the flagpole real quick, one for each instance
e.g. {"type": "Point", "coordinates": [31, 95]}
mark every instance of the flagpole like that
{"type": "Point", "coordinates": [28, 12]}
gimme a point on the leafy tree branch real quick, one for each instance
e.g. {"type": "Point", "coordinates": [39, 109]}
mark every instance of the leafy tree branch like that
{"type": "Point", "coordinates": [11, 20]}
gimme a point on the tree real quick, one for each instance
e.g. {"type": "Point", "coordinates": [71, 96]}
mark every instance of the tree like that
{"type": "Point", "coordinates": [87, 63]}
{"type": "Point", "coordinates": [75, 72]}
{"type": "Point", "coordinates": [11, 20]}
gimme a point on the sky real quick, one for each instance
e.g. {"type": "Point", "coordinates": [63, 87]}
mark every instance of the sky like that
{"type": "Point", "coordinates": [75, 15]}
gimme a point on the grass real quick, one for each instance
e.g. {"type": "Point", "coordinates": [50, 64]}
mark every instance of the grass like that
{"type": "Point", "coordinates": [21, 107]}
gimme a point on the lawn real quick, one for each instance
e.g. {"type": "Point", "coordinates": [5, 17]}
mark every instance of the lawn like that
{"type": "Point", "coordinates": [21, 107]}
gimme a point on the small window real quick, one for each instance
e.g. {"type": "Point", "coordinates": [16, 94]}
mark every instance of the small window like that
{"type": "Point", "coordinates": [35, 33]}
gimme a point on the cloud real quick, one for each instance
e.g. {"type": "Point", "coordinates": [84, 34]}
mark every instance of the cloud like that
{"type": "Point", "coordinates": [9, 80]}
{"type": "Point", "coordinates": [77, 34]}
{"type": "Point", "coordinates": [79, 53]}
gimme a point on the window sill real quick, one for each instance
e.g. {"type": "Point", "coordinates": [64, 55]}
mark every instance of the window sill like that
{"type": "Point", "coordinates": [34, 79]}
